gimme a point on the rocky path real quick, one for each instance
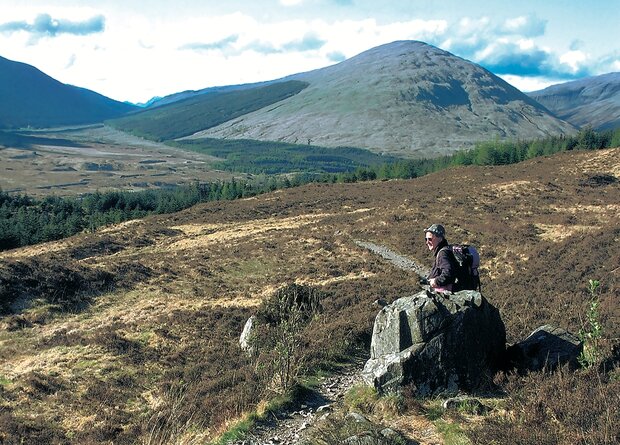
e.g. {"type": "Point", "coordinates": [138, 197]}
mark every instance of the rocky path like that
{"type": "Point", "coordinates": [288, 428]}
{"type": "Point", "coordinates": [393, 258]}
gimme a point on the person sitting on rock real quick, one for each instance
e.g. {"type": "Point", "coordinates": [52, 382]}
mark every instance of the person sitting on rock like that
{"type": "Point", "coordinates": [443, 275]}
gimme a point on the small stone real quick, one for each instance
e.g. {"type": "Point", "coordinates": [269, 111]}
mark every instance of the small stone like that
{"type": "Point", "coordinates": [356, 417]}
{"type": "Point", "coordinates": [471, 404]}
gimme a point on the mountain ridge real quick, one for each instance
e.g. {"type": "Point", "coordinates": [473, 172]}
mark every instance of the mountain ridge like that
{"type": "Point", "coordinates": [593, 101]}
{"type": "Point", "coordinates": [403, 98]}
{"type": "Point", "coordinates": [31, 98]}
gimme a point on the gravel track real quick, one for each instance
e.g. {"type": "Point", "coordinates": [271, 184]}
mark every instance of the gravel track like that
{"type": "Point", "coordinates": [289, 427]}
{"type": "Point", "coordinates": [394, 258]}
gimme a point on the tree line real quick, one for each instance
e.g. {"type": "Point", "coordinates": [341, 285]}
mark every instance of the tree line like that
{"type": "Point", "coordinates": [491, 153]}
{"type": "Point", "coordinates": [25, 220]}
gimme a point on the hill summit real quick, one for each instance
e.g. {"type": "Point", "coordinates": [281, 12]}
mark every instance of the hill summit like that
{"type": "Point", "coordinates": [29, 97]}
{"type": "Point", "coordinates": [405, 98]}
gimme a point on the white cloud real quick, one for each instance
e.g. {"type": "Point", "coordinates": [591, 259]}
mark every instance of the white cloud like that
{"type": "Point", "coordinates": [136, 56]}
{"type": "Point", "coordinates": [527, 84]}
{"type": "Point", "coordinates": [528, 26]}
{"type": "Point", "coordinates": [574, 59]}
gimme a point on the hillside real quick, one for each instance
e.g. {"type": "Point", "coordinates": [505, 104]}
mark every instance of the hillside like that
{"type": "Point", "coordinates": [593, 101]}
{"type": "Point", "coordinates": [132, 331]}
{"type": "Point", "coordinates": [175, 97]}
{"type": "Point", "coordinates": [30, 98]}
{"type": "Point", "coordinates": [185, 117]}
{"type": "Point", "coordinates": [405, 98]}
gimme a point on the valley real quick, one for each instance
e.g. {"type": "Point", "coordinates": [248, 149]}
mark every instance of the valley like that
{"type": "Point", "coordinates": [99, 158]}
{"type": "Point", "coordinates": [128, 331]}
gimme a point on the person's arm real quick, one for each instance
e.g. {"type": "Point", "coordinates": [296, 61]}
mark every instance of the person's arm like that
{"type": "Point", "coordinates": [446, 264]}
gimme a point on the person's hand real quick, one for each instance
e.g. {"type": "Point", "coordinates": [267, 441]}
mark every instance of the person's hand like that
{"type": "Point", "coordinates": [432, 282]}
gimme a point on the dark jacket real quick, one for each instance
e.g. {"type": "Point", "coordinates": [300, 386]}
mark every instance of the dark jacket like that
{"type": "Point", "coordinates": [445, 267]}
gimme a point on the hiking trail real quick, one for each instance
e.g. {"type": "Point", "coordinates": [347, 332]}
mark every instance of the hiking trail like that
{"type": "Point", "coordinates": [288, 427]}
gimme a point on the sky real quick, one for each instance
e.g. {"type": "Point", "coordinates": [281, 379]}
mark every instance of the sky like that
{"type": "Point", "coordinates": [133, 50]}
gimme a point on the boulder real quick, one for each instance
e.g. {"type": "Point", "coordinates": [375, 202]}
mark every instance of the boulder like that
{"type": "Point", "coordinates": [441, 343]}
{"type": "Point", "coordinates": [547, 347]}
{"type": "Point", "coordinates": [245, 340]}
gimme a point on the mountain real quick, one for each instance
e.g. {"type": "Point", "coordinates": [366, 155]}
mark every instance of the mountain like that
{"type": "Point", "coordinates": [29, 97]}
{"type": "Point", "coordinates": [592, 101]}
{"type": "Point", "coordinates": [404, 98]}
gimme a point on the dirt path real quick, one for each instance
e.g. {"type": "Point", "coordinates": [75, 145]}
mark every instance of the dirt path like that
{"type": "Point", "coordinates": [394, 258]}
{"type": "Point", "coordinates": [287, 428]}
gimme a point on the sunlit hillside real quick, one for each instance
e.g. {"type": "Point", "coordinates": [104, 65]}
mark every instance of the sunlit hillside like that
{"type": "Point", "coordinates": [104, 335]}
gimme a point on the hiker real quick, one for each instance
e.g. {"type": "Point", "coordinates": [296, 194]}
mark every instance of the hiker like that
{"type": "Point", "coordinates": [445, 268]}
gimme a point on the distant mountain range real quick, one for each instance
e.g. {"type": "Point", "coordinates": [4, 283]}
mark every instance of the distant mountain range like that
{"type": "Point", "coordinates": [30, 98]}
{"type": "Point", "coordinates": [209, 109]}
{"type": "Point", "coordinates": [405, 98]}
{"type": "Point", "coordinates": [592, 101]}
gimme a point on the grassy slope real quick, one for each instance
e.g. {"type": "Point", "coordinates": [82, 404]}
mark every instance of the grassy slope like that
{"type": "Point", "coordinates": [189, 116]}
{"type": "Point", "coordinates": [169, 295]}
{"type": "Point", "coordinates": [186, 117]}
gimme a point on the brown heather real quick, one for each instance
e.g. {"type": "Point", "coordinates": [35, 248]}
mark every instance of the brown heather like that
{"type": "Point", "coordinates": [130, 335]}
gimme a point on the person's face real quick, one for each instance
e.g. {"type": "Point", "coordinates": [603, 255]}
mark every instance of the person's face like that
{"type": "Point", "coordinates": [432, 240]}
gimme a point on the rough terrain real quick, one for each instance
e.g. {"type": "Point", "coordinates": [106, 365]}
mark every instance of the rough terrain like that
{"type": "Point", "coordinates": [114, 328]}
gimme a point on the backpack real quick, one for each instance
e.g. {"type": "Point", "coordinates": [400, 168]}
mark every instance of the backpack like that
{"type": "Point", "coordinates": [468, 260]}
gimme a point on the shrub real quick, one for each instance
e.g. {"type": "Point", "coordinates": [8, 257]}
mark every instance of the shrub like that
{"type": "Point", "coordinates": [591, 331]}
{"type": "Point", "coordinates": [279, 341]}
{"type": "Point", "coordinates": [337, 430]}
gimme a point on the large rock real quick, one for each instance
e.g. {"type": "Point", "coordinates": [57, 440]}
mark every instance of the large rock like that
{"type": "Point", "coordinates": [245, 340]}
{"type": "Point", "coordinates": [547, 347]}
{"type": "Point", "coordinates": [439, 342]}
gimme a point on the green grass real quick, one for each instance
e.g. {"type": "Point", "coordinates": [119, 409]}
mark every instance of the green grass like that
{"type": "Point", "coordinates": [86, 364]}
{"type": "Point", "coordinates": [253, 156]}
{"type": "Point", "coordinates": [452, 433]}
{"type": "Point", "coordinates": [361, 398]}
{"type": "Point", "coordinates": [197, 113]}
{"type": "Point", "coordinates": [241, 428]}
{"type": "Point", "coordinates": [433, 410]}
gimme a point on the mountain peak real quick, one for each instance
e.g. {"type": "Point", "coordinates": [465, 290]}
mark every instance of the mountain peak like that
{"type": "Point", "coordinates": [406, 98]}
{"type": "Point", "coordinates": [29, 97]}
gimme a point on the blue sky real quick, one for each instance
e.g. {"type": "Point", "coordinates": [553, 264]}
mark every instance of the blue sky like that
{"type": "Point", "coordinates": [133, 50]}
